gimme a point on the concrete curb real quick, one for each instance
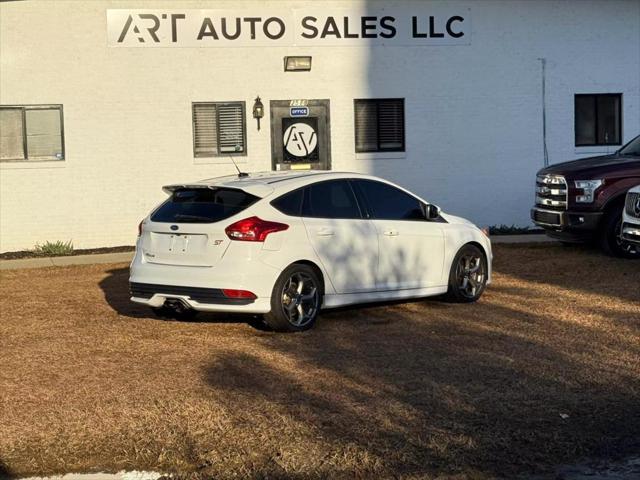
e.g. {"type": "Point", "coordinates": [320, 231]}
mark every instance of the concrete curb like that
{"type": "Point", "coordinates": [134, 475]}
{"type": "Point", "coordinates": [64, 261]}
{"type": "Point", "coordinates": [128, 256]}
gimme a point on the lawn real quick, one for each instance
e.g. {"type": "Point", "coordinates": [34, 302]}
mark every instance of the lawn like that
{"type": "Point", "coordinates": [544, 370]}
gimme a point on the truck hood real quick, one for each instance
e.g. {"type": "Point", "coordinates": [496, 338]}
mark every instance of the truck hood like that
{"type": "Point", "coordinates": [595, 167]}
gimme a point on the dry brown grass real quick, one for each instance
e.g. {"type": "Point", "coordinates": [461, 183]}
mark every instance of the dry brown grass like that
{"type": "Point", "coordinates": [89, 381]}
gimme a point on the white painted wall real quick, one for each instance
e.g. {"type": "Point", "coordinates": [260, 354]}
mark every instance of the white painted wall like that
{"type": "Point", "coordinates": [473, 113]}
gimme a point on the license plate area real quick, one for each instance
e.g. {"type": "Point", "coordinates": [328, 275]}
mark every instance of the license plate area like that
{"type": "Point", "coordinates": [177, 243]}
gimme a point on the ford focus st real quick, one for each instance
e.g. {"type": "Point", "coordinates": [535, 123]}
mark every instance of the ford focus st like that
{"type": "Point", "coordinates": [288, 244]}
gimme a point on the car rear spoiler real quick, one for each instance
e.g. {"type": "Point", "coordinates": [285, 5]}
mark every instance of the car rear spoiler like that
{"type": "Point", "coordinates": [258, 189]}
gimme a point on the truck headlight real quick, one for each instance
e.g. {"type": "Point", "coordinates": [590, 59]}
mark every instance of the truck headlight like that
{"type": "Point", "coordinates": [588, 188]}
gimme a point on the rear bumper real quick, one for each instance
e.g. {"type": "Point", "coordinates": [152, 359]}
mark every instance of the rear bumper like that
{"type": "Point", "coordinates": [200, 288]}
{"type": "Point", "coordinates": [260, 305]}
{"type": "Point", "coordinates": [567, 225]}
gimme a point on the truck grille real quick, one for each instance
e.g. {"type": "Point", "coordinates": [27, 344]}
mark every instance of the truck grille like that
{"type": "Point", "coordinates": [551, 192]}
{"type": "Point", "coordinates": [632, 204]}
{"type": "Point", "coordinates": [547, 218]}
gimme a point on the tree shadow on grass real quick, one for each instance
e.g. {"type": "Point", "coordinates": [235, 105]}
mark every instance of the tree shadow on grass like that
{"type": "Point", "coordinates": [5, 473]}
{"type": "Point", "coordinates": [424, 389]}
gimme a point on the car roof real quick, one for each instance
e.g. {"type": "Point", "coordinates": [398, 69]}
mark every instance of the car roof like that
{"type": "Point", "coordinates": [264, 183]}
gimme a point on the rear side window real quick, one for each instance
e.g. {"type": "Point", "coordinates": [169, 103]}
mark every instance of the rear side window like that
{"type": "Point", "coordinates": [386, 202]}
{"type": "Point", "coordinates": [289, 203]}
{"type": "Point", "coordinates": [331, 199]}
{"type": "Point", "coordinates": [202, 205]}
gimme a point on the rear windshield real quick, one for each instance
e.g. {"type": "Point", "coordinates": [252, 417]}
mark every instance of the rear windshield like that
{"type": "Point", "coordinates": [202, 205]}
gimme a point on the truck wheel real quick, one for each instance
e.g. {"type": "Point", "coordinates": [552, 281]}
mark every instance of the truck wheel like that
{"type": "Point", "coordinates": [610, 240]}
{"type": "Point", "coordinates": [468, 275]}
{"type": "Point", "coordinates": [295, 300]}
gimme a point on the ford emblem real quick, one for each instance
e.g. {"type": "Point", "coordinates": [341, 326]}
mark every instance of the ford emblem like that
{"type": "Point", "coordinates": [174, 227]}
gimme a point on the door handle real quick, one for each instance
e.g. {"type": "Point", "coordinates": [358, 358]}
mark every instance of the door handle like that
{"type": "Point", "coordinates": [324, 232]}
{"type": "Point", "coordinates": [391, 232]}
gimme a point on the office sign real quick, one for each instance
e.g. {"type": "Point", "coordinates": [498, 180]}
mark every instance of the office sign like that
{"type": "Point", "coordinates": [299, 111]}
{"type": "Point", "coordinates": [406, 24]}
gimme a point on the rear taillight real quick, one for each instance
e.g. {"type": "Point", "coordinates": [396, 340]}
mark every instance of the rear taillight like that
{"type": "Point", "coordinates": [253, 229]}
{"type": "Point", "coordinates": [232, 293]}
{"type": "Point", "coordinates": [140, 227]}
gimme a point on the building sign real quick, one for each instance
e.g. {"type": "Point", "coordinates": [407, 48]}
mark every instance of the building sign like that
{"type": "Point", "coordinates": [411, 24]}
{"type": "Point", "coordinates": [299, 111]}
{"type": "Point", "coordinates": [300, 140]}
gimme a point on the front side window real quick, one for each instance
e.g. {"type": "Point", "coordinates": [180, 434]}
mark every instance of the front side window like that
{"type": "Point", "coordinates": [598, 119]}
{"type": "Point", "coordinates": [31, 133]}
{"type": "Point", "coordinates": [632, 148]}
{"type": "Point", "coordinates": [386, 202]}
{"type": "Point", "coordinates": [379, 125]}
{"type": "Point", "coordinates": [219, 129]}
{"type": "Point", "coordinates": [330, 199]}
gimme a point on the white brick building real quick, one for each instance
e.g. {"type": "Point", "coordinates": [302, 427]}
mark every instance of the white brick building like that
{"type": "Point", "coordinates": [119, 110]}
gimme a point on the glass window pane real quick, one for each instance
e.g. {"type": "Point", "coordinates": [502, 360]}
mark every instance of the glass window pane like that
{"type": "Point", "coordinates": [608, 119]}
{"type": "Point", "coordinates": [231, 121]}
{"type": "Point", "coordinates": [205, 133]}
{"type": "Point", "coordinates": [391, 122]}
{"type": "Point", "coordinates": [366, 123]}
{"type": "Point", "coordinates": [44, 134]}
{"type": "Point", "coordinates": [11, 142]}
{"type": "Point", "coordinates": [332, 199]}
{"type": "Point", "coordinates": [203, 205]}
{"type": "Point", "coordinates": [388, 203]}
{"type": "Point", "coordinates": [289, 203]}
{"type": "Point", "coordinates": [585, 120]}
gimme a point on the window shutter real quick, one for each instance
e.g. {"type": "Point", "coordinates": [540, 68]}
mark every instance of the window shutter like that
{"type": "Point", "coordinates": [11, 144]}
{"type": "Point", "coordinates": [44, 133]}
{"type": "Point", "coordinates": [366, 120]}
{"type": "Point", "coordinates": [205, 133]}
{"type": "Point", "coordinates": [391, 124]}
{"type": "Point", "coordinates": [231, 128]}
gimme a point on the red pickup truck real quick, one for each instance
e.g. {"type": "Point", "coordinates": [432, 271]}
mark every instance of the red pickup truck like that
{"type": "Point", "coordinates": [583, 200]}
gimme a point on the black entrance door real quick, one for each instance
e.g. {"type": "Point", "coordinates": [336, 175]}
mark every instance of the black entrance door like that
{"type": "Point", "coordinates": [300, 137]}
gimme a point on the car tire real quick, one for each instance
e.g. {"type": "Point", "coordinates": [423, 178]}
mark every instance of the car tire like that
{"type": "Point", "coordinates": [610, 240]}
{"type": "Point", "coordinates": [468, 275]}
{"type": "Point", "coordinates": [295, 300]}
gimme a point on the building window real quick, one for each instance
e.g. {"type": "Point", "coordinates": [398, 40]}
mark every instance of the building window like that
{"type": "Point", "coordinates": [219, 129]}
{"type": "Point", "coordinates": [598, 119]}
{"type": "Point", "coordinates": [379, 125]}
{"type": "Point", "coordinates": [31, 133]}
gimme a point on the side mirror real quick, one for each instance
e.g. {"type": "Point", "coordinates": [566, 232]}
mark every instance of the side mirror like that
{"type": "Point", "coordinates": [431, 212]}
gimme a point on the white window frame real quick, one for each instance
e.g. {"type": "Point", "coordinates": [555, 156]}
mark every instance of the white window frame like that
{"type": "Point", "coordinates": [25, 145]}
{"type": "Point", "coordinates": [199, 157]}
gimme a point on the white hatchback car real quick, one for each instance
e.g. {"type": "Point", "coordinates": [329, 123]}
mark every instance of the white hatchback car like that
{"type": "Point", "coordinates": [630, 228]}
{"type": "Point", "coordinates": [286, 244]}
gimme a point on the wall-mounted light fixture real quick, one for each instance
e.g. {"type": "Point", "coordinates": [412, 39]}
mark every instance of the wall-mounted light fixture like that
{"type": "Point", "coordinates": [258, 110]}
{"type": "Point", "coordinates": [297, 64]}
